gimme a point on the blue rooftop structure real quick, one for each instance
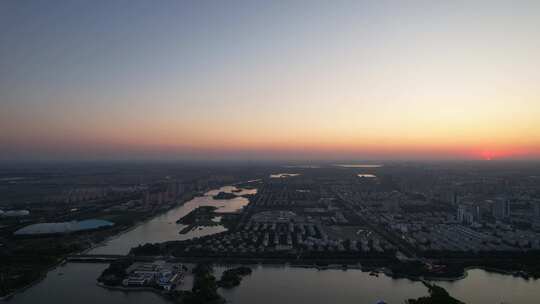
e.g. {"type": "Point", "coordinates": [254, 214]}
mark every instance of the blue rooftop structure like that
{"type": "Point", "coordinates": [63, 227]}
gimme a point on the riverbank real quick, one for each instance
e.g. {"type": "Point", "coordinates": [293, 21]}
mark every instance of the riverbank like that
{"type": "Point", "coordinates": [270, 284]}
{"type": "Point", "coordinates": [130, 289]}
{"type": "Point", "coordinates": [437, 295]}
{"type": "Point", "coordinates": [93, 241]}
{"type": "Point", "coordinates": [393, 268]}
{"type": "Point", "coordinates": [204, 289]}
{"type": "Point", "coordinates": [180, 203]}
{"type": "Point", "coordinates": [231, 277]}
{"type": "Point", "coordinates": [114, 233]}
{"type": "Point", "coordinates": [467, 269]}
{"type": "Point", "coordinates": [41, 278]}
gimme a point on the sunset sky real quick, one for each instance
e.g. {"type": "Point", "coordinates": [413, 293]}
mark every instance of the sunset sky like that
{"type": "Point", "coordinates": [269, 80]}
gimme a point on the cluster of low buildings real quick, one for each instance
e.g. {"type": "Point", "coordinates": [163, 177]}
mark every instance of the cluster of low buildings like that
{"type": "Point", "coordinates": [158, 274]}
{"type": "Point", "coordinates": [456, 237]}
{"type": "Point", "coordinates": [424, 209]}
{"type": "Point", "coordinates": [465, 231]}
{"type": "Point", "coordinates": [455, 213]}
{"type": "Point", "coordinates": [284, 231]}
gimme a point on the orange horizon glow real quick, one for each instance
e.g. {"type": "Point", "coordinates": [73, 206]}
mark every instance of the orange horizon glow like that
{"type": "Point", "coordinates": [229, 147]}
{"type": "Point", "coordinates": [460, 81]}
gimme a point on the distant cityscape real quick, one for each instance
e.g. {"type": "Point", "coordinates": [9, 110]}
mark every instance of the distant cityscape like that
{"type": "Point", "coordinates": [423, 221]}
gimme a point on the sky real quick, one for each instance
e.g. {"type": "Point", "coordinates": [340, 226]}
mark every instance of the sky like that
{"type": "Point", "coordinates": [280, 80]}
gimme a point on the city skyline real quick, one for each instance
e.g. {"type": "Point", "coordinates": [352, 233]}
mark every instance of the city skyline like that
{"type": "Point", "coordinates": [260, 80]}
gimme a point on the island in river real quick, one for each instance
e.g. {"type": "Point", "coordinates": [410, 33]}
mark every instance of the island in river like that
{"type": "Point", "coordinates": [203, 216]}
{"type": "Point", "coordinates": [200, 216]}
{"type": "Point", "coordinates": [437, 295]}
{"type": "Point", "coordinates": [225, 195]}
{"type": "Point", "coordinates": [124, 275]}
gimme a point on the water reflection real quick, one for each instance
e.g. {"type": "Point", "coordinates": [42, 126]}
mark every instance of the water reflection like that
{"type": "Point", "coordinates": [308, 285]}
{"type": "Point", "coordinates": [282, 284]}
{"type": "Point", "coordinates": [76, 283]}
{"type": "Point", "coordinates": [283, 175]}
{"type": "Point", "coordinates": [164, 228]}
{"type": "Point", "coordinates": [367, 175]}
{"type": "Point", "coordinates": [481, 286]}
{"type": "Point", "coordinates": [232, 189]}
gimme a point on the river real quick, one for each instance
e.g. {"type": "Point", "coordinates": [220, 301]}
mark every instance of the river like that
{"type": "Point", "coordinates": [76, 282]}
{"type": "Point", "coordinates": [164, 228]}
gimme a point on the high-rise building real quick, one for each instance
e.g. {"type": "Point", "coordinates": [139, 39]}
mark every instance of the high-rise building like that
{"type": "Point", "coordinates": [468, 213]}
{"type": "Point", "coordinates": [461, 210]}
{"type": "Point", "coordinates": [501, 208]}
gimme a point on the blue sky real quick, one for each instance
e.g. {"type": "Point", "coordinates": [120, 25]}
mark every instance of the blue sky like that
{"type": "Point", "coordinates": [269, 79]}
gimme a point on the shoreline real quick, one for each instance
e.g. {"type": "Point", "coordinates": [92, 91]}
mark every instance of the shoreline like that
{"type": "Point", "coordinates": [102, 243]}
{"type": "Point", "coordinates": [269, 263]}
{"type": "Point", "coordinates": [134, 226]}
{"type": "Point", "coordinates": [123, 288]}
{"type": "Point", "coordinates": [10, 295]}
{"type": "Point", "coordinates": [135, 289]}
{"type": "Point", "coordinates": [340, 265]}
{"type": "Point", "coordinates": [354, 267]}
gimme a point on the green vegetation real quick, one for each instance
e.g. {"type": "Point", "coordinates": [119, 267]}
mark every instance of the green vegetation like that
{"type": "Point", "coordinates": [224, 196]}
{"type": "Point", "coordinates": [437, 295]}
{"type": "Point", "coordinates": [26, 259]}
{"type": "Point", "coordinates": [17, 272]}
{"type": "Point", "coordinates": [29, 259]}
{"type": "Point", "coordinates": [204, 289]}
{"type": "Point", "coordinates": [201, 216]}
{"type": "Point", "coordinates": [115, 273]}
{"type": "Point", "coordinates": [232, 277]}
{"type": "Point", "coordinates": [456, 262]}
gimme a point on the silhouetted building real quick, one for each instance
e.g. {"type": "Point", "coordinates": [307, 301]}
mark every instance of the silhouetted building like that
{"type": "Point", "coordinates": [469, 213]}
{"type": "Point", "coordinates": [501, 208]}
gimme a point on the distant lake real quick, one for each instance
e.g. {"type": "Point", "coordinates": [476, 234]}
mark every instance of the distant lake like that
{"type": "Point", "coordinates": [303, 166]}
{"type": "Point", "coordinates": [367, 175]}
{"type": "Point", "coordinates": [231, 189]}
{"type": "Point", "coordinates": [358, 166]}
{"type": "Point", "coordinates": [283, 175]}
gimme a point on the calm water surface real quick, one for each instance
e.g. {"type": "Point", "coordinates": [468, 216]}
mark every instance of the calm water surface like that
{"type": "Point", "coordinates": [283, 175]}
{"type": "Point", "coordinates": [367, 175]}
{"type": "Point", "coordinates": [269, 284]}
{"type": "Point", "coordinates": [487, 287]}
{"type": "Point", "coordinates": [164, 228]}
{"type": "Point", "coordinates": [76, 283]}
{"type": "Point", "coordinates": [307, 285]}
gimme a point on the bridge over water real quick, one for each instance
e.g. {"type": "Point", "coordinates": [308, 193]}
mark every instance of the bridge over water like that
{"type": "Point", "coordinates": [100, 258]}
